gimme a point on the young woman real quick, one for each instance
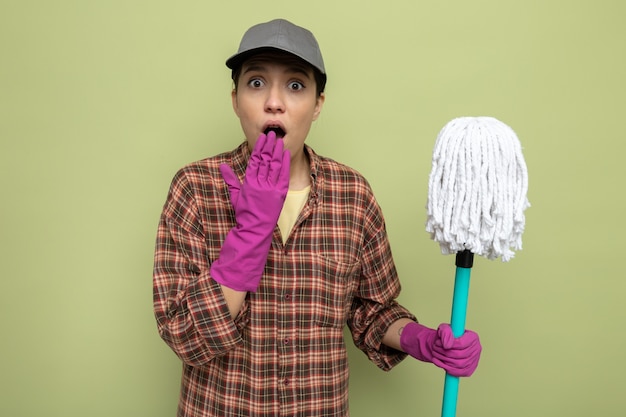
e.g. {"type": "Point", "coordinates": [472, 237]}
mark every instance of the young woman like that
{"type": "Point", "coordinates": [265, 253]}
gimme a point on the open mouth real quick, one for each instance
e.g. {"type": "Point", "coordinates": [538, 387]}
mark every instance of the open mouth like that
{"type": "Point", "coordinates": [280, 133]}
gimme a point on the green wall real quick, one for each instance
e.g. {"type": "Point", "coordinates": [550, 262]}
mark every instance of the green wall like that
{"type": "Point", "coordinates": [102, 101]}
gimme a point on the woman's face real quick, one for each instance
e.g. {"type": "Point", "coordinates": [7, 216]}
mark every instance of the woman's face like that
{"type": "Point", "coordinates": [277, 92]}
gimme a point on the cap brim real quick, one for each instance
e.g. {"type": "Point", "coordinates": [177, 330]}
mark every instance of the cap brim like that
{"type": "Point", "coordinates": [236, 60]}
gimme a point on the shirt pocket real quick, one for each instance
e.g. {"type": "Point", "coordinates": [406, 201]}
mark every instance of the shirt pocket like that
{"type": "Point", "coordinates": [333, 289]}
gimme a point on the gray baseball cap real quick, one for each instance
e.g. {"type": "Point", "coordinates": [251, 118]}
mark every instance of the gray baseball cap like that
{"type": "Point", "coordinates": [282, 35]}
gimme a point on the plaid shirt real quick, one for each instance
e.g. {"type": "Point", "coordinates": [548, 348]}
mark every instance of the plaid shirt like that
{"type": "Point", "coordinates": [284, 354]}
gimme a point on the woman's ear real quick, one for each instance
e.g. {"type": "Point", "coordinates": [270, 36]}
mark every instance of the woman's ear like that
{"type": "Point", "coordinates": [318, 105]}
{"type": "Point", "coordinates": [233, 96]}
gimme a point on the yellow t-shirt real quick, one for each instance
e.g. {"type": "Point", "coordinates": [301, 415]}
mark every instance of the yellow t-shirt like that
{"type": "Point", "coordinates": [291, 209]}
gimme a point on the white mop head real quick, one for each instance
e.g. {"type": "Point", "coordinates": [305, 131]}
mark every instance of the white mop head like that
{"type": "Point", "coordinates": [477, 189]}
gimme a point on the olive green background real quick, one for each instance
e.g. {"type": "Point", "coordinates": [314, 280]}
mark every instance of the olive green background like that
{"type": "Point", "coordinates": [102, 101]}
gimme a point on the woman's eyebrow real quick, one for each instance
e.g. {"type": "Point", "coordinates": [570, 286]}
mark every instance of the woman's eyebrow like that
{"type": "Point", "coordinates": [254, 67]}
{"type": "Point", "coordinates": [298, 69]}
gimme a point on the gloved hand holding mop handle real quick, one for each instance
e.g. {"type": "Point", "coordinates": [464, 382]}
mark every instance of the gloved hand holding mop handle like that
{"type": "Point", "coordinates": [457, 356]}
{"type": "Point", "coordinates": [257, 202]}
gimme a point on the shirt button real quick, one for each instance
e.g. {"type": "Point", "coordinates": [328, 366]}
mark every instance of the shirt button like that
{"type": "Point", "coordinates": [286, 381]}
{"type": "Point", "coordinates": [287, 341]}
{"type": "Point", "coordinates": [287, 297]}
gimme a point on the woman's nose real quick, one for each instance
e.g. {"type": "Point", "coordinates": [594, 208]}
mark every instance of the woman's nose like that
{"type": "Point", "coordinates": [275, 101]}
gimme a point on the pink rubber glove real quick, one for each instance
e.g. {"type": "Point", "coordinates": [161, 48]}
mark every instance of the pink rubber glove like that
{"type": "Point", "coordinates": [257, 204]}
{"type": "Point", "coordinates": [457, 356]}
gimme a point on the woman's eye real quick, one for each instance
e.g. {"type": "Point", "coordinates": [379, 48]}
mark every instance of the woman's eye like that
{"type": "Point", "coordinates": [296, 86]}
{"type": "Point", "coordinates": [255, 83]}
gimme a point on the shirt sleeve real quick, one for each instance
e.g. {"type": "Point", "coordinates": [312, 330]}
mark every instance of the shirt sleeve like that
{"type": "Point", "coordinates": [374, 307]}
{"type": "Point", "coordinates": [190, 310]}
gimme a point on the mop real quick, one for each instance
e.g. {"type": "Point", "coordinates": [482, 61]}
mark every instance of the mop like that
{"type": "Point", "coordinates": [476, 201]}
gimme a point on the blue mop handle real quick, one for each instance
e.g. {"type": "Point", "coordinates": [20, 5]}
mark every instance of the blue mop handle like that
{"type": "Point", "coordinates": [464, 263]}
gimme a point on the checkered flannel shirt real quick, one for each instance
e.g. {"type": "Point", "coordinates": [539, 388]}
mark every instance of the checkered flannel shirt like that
{"type": "Point", "coordinates": [284, 354]}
